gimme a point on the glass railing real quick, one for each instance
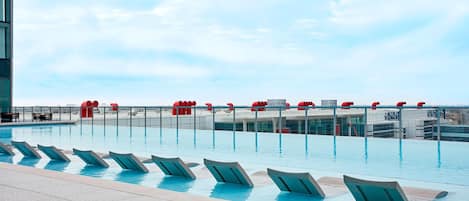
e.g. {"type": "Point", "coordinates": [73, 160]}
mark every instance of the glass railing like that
{"type": "Point", "coordinates": [407, 122]}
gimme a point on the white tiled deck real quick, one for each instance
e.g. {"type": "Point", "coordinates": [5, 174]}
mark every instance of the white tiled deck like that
{"type": "Point", "coordinates": [20, 183]}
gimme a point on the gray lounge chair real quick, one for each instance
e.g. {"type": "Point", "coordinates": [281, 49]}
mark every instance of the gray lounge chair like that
{"type": "Point", "coordinates": [26, 149]}
{"type": "Point", "coordinates": [90, 158]}
{"type": "Point", "coordinates": [128, 161]}
{"type": "Point", "coordinates": [364, 190]}
{"type": "Point", "coordinates": [228, 172]}
{"type": "Point", "coordinates": [173, 167]}
{"type": "Point", "coordinates": [53, 153]}
{"type": "Point", "coordinates": [296, 182]}
{"type": "Point", "coordinates": [6, 149]}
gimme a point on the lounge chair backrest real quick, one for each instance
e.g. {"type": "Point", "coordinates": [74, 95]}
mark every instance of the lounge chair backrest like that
{"type": "Point", "coordinates": [53, 153]}
{"type": "Point", "coordinates": [128, 161]}
{"type": "Point", "coordinates": [5, 149]}
{"type": "Point", "coordinates": [90, 158]}
{"type": "Point", "coordinates": [364, 190]}
{"type": "Point", "coordinates": [173, 167]}
{"type": "Point", "coordinates": [296, 182]}
{"type": "Point", "coordinates": [25, 149]}
{"type": "Point", "coordinates": [228, 172]}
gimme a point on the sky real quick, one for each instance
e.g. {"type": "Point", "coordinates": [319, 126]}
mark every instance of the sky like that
{"type": "Point", "coordinates": [155, 52]}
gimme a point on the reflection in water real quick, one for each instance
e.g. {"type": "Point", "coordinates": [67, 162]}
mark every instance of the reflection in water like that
{"type": "Point", "coordinates": [287, 196]}
{"type": "Point", "coordinates": [6, 135]}
{"type": "Point", "coordinates": [439, 155]}
{"type": "Point", "coordinates": [41, 130]}
{"type": "Point", "coordinates": [93, 171]}
{"type": "Point", "coordinates": [129, 176]}
{"type": "Point", "coordinates": [56, 165]}
{"type": "Point", "coordinates": [306, 144]}
{"type": "Point", "coordinates": [26, 161]}
{"type": "Point", "coordinates": [231, 192]}
{"type": "Point", "coordinates": [6, 158]}
{"type": "Point", "coordinates": [366, 150]}
{"type": "Point", "coordinates": [280, 142]}
{"type": "Point", "coordinates": [335, 148]}
{"type": "Point", "coordinates": [179, 184]}
{"type": "Point", "coordinates": [400, 153]}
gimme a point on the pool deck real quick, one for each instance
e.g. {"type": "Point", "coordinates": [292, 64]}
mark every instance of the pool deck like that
{"type": "Point", "coordinates": [21, 183]}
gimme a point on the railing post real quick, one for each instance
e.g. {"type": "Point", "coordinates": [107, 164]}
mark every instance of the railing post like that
{"type": "Point", "coordinates": [130, 118]}
{"type": "Point", "coordinates": [161, 123]}
{"type": "Point", "coordinates": [365, 130]}
{"type": "Point", "coordinates": [92, 120]}
{"type": "Point", "coordinates": [256, 130]}
{"type": "Point", "coordinates": [365, 123]}
{"type": "Point", "coordinates": [280, 130]}
{"type": "Point", "coordinates": [438, 124]}
{"type": "Point", "coordinates": [234, 128]}
{"type": "Point", "coordinates": [334, 131]}
{"type": "Point", "coordinates": [70, 113]}
{"type": "Point", "coordinates": [306, 128]}
{"type": "Point", "coordinates": [177, 124]}
{"type": "Point", "coordinates": [195, 125]}
{"type": "Point", "coordinates": [117, 121]}
{"type": "Point", "coordinates": [145, 119]}
{"type": "Point", "coordinates": [334, 123]}
{"type": "Point", "coordinates": [213, 128]}
{"type": "Point", "coordinates": [195, 119]}
{"type": "Point", "coordinates": [400, 123]}
{"type": "Point", "coordinates": [60, 113]}
{"type": "Point", "coordinates": [23, 114]}
{"type": "Point", "coordinates": [104, 117]}
{"type": "Point", "coordinates": [400, 135]}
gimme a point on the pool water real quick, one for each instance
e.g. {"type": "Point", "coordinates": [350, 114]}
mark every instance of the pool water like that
{"type": "Point", "coordinates": [418, 163]}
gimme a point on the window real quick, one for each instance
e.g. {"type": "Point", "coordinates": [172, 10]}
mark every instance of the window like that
{"type": "Point", "coordinates": [5, 94]}
{"type": "Point", "coordinates": [3, 51]}
{"type": "Point", "coordinates": [2, 10]}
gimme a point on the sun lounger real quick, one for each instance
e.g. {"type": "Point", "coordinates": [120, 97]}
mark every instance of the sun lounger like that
{"type": "Point", "coordinates": [296, 182]}
{"type": "Point", "coordinates": [53, 153]}
{"type": "Point", "coordinates": [90, 158]}
{"type": "Point", "coordinates": [128, 161]}
{"type": "Point", "coordinates": [6, 150]}
{"type": "Point", "coordinates": [363, 190]}
{"type": "Point", "coordinates": [228, 172]}
{"type": "Point", "coordinates": [173, 167]}
{"type": "Point", "coordinates": [25, 149]}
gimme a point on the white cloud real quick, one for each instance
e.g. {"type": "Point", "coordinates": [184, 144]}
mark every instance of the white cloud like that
{"type": "Point", "coordinates": [306, 23]}
{"type": "Point", "coordinates": [297, 56]}
{"type": "Point", "coordinates": [128, 67]}
{"type": "Point", "coordinates": [363, 13]}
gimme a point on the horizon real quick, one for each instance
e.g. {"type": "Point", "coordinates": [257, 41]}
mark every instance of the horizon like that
{"type": "Point", "coordinates": [158, 52]}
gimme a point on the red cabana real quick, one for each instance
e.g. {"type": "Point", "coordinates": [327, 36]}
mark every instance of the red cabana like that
{"type": "Point", "coordinates": [346, 105]}
{"type": "Point", "coordinates": [374, 105]}
{"type": "Point", "coordinates": [230, 106]}
{"type": "Point", "coordinates": [209, 106]}
{"type": "Point", "coordinates": [183, 107]}
{"type": "Point", "coordinates": [87, 107]}
{"type": "Point", "coordinates": [401, 104]}
{"type": "Point", "coordinates": [304, 104]}
{"type": "Point", "coordinates": [114, 106]}
{"type": "Point", "coordinates": [420, 104]}
{"type": "Point", "coordinates": [258, 106]}
{"type": "Point", "coordinates": [189, 106]}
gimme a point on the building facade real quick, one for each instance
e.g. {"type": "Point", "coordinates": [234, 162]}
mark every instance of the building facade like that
{"type": "Point", "coordinates": [6, 55]}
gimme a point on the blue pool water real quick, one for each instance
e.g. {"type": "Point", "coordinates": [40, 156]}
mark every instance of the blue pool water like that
{"type": "Point", "coordinates": [418, 163]}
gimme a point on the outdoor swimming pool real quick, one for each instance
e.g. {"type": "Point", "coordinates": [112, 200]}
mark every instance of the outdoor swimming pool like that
{"type": "Point", "coordinates": [428, 164]}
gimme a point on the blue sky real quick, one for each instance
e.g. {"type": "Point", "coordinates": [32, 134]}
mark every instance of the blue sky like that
{"type": "Point", "coordinates": [149, 52]}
